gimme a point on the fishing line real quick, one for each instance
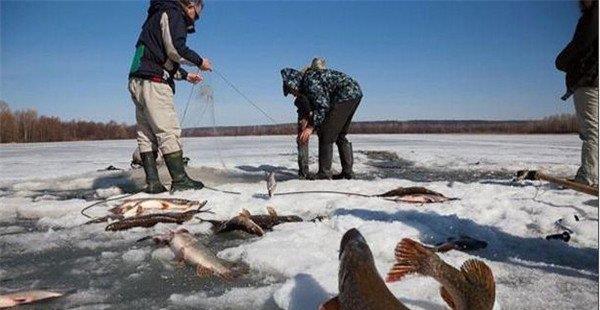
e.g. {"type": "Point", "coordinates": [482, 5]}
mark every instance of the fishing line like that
{"type": "Point", "coordinates": [244, 96]}
{"type": "Point", "coordinates": [187, 104]}
{"type": "Point", "coordinates": [104, 201]}
{"type": "Point", "coordinates": [211, 103]}
{"type": "Point", "coordinates": [324, 192]}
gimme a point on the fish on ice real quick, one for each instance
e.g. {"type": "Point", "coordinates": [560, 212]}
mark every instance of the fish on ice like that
{"type": "Point", "coordinates": [26, 297]}
{"type": "Point", "coordinates": [187, 249]}
{"type": "Point", "coordinates": [415, 194]}
{"type": "Point", "coordinates": [143, 206]}
{"type": "Point", "coordinates": [253, 224]}
{"type": "Point", "coordinates": [359, 283]}
{"type": "Point", "coordinates": [471, 287]}
{"type": "Point", "coordinates": [271, 183]}
{"type": "Point", "coordinates": [150, 220]}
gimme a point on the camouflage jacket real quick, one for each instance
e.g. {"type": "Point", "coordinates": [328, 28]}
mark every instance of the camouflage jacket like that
{"type": "Point", "coordinates": [325, 88]}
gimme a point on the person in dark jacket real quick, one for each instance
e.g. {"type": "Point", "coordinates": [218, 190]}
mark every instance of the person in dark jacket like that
{"type": "Point", "coordinates": [160, 50]}
{"type": "Point", "coordinates": [333, 97]}
{"type": "Point", "coordinates": [579, 60]}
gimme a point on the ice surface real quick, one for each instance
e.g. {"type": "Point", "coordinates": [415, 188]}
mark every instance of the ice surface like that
{"type": "Point", "coordinates": [43, 243]}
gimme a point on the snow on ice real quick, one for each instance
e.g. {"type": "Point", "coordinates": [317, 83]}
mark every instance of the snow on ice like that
{"type": "Point", "coordinates": [43, 244]}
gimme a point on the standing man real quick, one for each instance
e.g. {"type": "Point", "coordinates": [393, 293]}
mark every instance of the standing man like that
{"type": "Point", "coordinates": [160, 50]}
{"type": "Point", "coordinates": [579, 60]}
{"type": "Point", "coordinates": [334, 97]}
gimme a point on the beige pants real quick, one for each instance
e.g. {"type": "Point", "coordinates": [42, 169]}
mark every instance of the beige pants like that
{"type": "Point", "coordinates": [586, 108]}
{"type": "Point", "coordinates": [157, 123]}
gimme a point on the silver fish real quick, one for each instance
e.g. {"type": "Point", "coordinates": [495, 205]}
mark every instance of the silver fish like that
{"type": "Point", "coordinates": [188, 249]}
{"type": "Point", "coordinates": [144, 206]}
{"type": "Point", "coordinates": [271, 183]}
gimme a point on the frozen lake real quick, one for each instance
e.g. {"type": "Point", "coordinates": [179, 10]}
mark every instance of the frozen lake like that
{"type": "Point", "coordinates": [44, 186]}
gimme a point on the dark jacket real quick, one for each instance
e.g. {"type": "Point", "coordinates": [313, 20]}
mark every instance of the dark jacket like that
{"type": "Point", "coordinates": [325, 88]}
{"type": "Point", "coordinates": [161, 46]}
{"type": "Point", "coordinates": [303, 107]}
{"type": "Point", "coordinates": [579, 59]}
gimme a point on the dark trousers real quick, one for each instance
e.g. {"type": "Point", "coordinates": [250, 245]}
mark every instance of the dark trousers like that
{"type": "Point", "coordinates": [303, 170]}
{"type": "Point", "coordinates": [334, 129]}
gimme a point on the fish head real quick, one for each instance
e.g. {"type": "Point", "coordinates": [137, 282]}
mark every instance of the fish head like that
{"type": "Point", "coordinates": [360, 285]}
{"type": "Point", "coordinates": [354, 248]}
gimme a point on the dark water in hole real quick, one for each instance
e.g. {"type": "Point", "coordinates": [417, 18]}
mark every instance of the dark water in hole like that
{"type": "Point", "coordinates": [144, 285]}
{"type": "Point", "coordinates": [389, 165]}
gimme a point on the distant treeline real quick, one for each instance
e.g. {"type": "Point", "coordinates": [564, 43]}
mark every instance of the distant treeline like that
{"type": "Point", "coordinates": [557, 124]}
{"type": "Point", "coordinates": [24, 126]}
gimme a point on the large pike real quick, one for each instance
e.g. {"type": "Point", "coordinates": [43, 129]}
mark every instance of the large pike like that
{"type": "Point", "coordinates": [26, 297]}
{"type": "Point", "coordinates": [360, 286]}
{"type": "Point", "coordinates": [143, 206]}
{"type": "Point", "coordinates": [188, 249]}
{"type": "Point", "coordinates": [153, 219]}
{"type": "Point", "coordinates": [415, 194]}
{"type": "Point", "coordinates": [253, 224]}
{"type": "Point", "coordinates": [471, 287]}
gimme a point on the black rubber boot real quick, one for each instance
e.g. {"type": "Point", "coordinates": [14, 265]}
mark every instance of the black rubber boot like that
{"type": "Point", "coordinates": [303, 171]}
{"type": "Point", "coordinates": [346, 159]}
{"type": "Point", "coordinates": [325, 157]}
{"type": "Point", "coordinates": [180, 180]}
{"type": "Point", "coordinates": [153, 185]}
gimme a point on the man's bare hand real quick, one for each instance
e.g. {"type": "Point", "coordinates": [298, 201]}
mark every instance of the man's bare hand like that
{"type": "Point", "coordinates": [206, 65]}
{"type": "Point", "coordinates": [305, 135]}
{"type": "Point", "coordinates": [194, 78]}
{"type": "Point", "coordinates": [303, 123]}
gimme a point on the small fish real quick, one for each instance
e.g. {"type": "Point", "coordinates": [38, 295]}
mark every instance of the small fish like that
{"type": "Point", "coordinates": [462, 243]}
{"type": "Point", "coordinates": [188, 249]}
{"type": "Point", "coordinates": [471, 287]}
{"type": "Point", "coordinates": [253, 224]}
{"type": "Point", "coordinates": [271, 183]}
{"type": "Point", "coordinates": [359, 283]}
{"type": "Point", "coordinates": [26, 297]}
{"type": "Point", "coordinates": [153, 219]}
{"type": "Point", "coordinates": [415, 194]}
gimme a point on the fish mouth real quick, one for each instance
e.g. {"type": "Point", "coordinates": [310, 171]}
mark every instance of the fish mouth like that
{"type": "Point", "coordinates": [351, 236]}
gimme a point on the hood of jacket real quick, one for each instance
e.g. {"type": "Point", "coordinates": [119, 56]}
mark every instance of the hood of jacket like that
{"type": "Point", "coordinates": [157, 6]}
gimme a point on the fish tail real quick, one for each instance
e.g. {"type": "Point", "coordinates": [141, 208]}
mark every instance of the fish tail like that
{"type": "Point", "coordinates": [411, 257]}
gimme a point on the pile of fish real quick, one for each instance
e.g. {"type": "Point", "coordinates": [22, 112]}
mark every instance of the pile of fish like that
{"type": "Point", "coordinates": [147, 212]}
{"type": "Point", "coordinates": [361, 287]}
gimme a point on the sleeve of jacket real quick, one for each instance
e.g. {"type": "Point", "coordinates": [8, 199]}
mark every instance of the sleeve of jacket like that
{"type": "Point", "coordinates": [174, 34]}
{"type": "Point", "coordinates": [586, 34]}
{"type": "Point", "coordinates": [318, 96]}
{"type": "Point", "coordinates": [181, 74]}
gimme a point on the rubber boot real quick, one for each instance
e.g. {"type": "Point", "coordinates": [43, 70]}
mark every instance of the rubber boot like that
{"type": "Point", "coordinates": [180, 180]}
{"type": "Point", "coordinates": [325, 157]}
{"type": "Point", "coordinates": [346, 159]}
{"type": "Point", "coordinates": [303, 171]}
{"type": "Point", "coordinates": [153, 185]}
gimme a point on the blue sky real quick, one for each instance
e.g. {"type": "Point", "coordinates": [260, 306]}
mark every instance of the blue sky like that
{"type": "Point", "coordinates": [414, 60]}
